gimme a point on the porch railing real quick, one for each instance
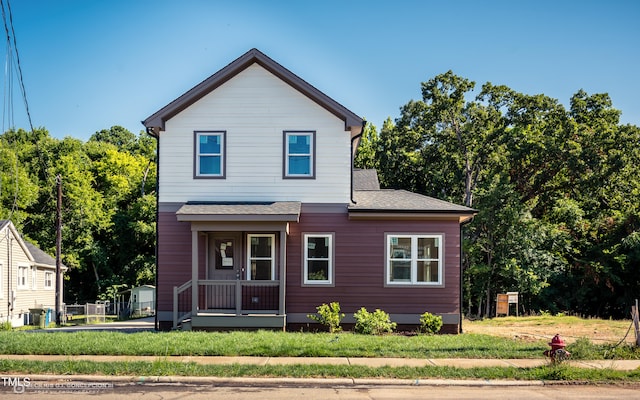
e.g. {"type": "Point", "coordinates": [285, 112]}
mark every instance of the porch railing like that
{"type": "Point", "coordinates": [181, 303]}
{"type": "Point", "coordinates": [239, 297]}
{"type": "Point", "coordinates": [227, 297]}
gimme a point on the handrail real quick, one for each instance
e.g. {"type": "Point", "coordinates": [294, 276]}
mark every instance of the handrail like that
{"type": "Point", "coordinates": [176, 292]}
{"type": "Point", "coordinates": [184, 286]}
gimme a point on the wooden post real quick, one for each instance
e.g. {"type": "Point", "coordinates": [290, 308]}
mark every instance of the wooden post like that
{"type": "Point", "coordinates": [175, 307]}
{"type": "Point", "coordinates": [58, 249]}
{"type": "Point", "coordinates": [635, 315]}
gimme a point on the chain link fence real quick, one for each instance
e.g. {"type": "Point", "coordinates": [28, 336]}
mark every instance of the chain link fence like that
{"type": "Point", "coordinates": [91, 313]}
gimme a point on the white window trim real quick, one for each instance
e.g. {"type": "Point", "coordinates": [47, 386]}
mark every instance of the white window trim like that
{"type": "Point", "coordinates": [222, 154]}
{"type": "Point", "coordinates": [311, 154]}
{"type": "Point", "coordinates": [272, 258]}
{"type": "Point", "coordinates": [52, 275]}
{"type": "Point", "coordinates": [34, 277]}
{"type": "Point", "coordinates": [305, 260]}
{"type": "Point", "coordinates": [414, 259]}
{"type": "Point", "coordinates": [23, 269]}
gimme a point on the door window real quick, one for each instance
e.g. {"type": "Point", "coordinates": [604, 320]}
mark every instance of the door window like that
{"type": "Point", "coordinates": [261, 259]}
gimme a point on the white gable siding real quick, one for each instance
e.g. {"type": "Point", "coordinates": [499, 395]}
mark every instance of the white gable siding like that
{"type": "Point", "coordinates": [254, 108]}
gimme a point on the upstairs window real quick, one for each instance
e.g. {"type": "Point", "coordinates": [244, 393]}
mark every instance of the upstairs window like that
{"type": "Point", "coordinates": [414, 260]}
{"type": "Point", "coordinates": [48, 280]}
{"type": "Point", "coordinates": [299, 154]}
{"type": "Point", "coordinates": [23, 281]}
{"type": "Point", "coordinates": [210, 154]}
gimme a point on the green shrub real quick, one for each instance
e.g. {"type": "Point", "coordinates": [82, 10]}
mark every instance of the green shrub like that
{"type": "Point", "coordinates": [5, 326]}
{"type": "Point", "coordinates": [583, 349]}
{"type": "Point", "coordinates": [328, 315]}
{"type": "Point", "coordinates": [375, 323]}
{"type": "Point", "coordinates": [430, 324]}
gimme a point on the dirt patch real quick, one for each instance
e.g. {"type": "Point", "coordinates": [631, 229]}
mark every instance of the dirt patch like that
{"type": "Point", "coordinates": [532, 329]}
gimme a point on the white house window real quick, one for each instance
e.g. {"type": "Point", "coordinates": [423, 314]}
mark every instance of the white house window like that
{"type": "Point", "coordinates": [22, 277]}
{"type": "Point", "coordinates": [414, 260]}
{"type": "Point", "coordinates": [299, 150]}
{"type": "Point", "coordinates": [210, 154]}
{"type": "Point", "coordinates": [318, 259]}
{"type": "Point", "coordinates": [48, 280]}
{"type": "Point", "coordinates": [34, 277]}
{"type": "Point", "coordinates": [261, 257]}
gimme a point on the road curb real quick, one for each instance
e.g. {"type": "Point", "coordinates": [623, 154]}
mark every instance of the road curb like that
{"type": "Point", "coordinates": [279, 382]}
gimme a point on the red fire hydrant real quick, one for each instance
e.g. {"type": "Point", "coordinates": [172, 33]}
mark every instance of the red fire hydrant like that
{"type": "Point", "coordinates": [558, 353]}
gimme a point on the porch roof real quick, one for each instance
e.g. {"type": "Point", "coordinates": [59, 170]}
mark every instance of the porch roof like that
{"type": "Point", "coordinates": [285, 211]}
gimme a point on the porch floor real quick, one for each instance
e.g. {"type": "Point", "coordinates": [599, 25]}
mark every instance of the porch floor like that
{"type": "Point", "coordinates": [210, 320]}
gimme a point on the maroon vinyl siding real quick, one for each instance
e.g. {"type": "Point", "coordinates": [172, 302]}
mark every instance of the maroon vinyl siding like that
{"type": "Point", "coordinates": [360, 267]}
{"type": "Point", "coordinates": [174, 257]}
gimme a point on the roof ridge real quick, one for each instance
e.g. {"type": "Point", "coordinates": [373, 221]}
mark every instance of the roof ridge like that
{"type": "Point", "coordinates": [156, 122]}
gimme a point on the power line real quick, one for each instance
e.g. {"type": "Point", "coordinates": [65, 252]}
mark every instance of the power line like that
{"type": "Point", "coordinates": [15, 48]}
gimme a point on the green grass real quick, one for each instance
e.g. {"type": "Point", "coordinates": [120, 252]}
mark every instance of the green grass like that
{"type": "Point", "coordinates": [298, 344]}
{"type": "Point", "coordinates": [266, 343]}
{"type": "Point", "coordinates": [292, 344]}
{"type": "Point", "coordinates": [163, 367]}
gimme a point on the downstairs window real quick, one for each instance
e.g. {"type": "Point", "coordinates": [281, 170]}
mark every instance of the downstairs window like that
{"type": "Point", "coordinates": [414, 260]}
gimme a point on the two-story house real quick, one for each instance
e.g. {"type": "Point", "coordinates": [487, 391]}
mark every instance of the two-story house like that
{"type": "Point", "coordinates": [262, 217]}
{"type": "Point", "coordinates": [27, 277]}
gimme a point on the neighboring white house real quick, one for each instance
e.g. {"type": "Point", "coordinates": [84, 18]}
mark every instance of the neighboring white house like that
{"type": "Point", "coordinates": [27, 277]}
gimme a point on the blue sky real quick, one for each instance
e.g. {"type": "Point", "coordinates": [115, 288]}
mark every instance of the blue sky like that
{"type": "Point", "coordinates": [89, 64]}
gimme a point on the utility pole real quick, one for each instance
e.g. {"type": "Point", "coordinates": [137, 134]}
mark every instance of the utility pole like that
{"type": "Point", "coordinates": [58, 247]}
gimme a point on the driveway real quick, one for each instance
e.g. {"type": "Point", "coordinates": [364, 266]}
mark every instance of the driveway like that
{"type": "Point", "coordinates": [134, 325]}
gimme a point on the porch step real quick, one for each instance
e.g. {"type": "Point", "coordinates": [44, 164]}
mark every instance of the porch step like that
{"type": "Point", "coordinates": [253, 321]}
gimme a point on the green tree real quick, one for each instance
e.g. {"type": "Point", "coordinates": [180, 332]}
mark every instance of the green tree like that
{"type": "Point", "coordinates": [108, 209]}
{"type": "Point", "coordinates": [117, 136]}
{"type": "Point", "coordinates": [365, 157]}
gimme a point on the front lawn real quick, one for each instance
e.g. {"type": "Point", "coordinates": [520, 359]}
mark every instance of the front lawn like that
{"type": "Point", "coordinates": [293, 344]}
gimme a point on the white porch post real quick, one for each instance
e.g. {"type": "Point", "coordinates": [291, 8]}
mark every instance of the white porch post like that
{"type": "Point", "coordinates": [194, 272]}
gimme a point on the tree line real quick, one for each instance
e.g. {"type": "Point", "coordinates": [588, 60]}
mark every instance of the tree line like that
{"type": "Point", "coordinates": [108, 205]}
{"type": "Point", "coordinates": [557, 191]}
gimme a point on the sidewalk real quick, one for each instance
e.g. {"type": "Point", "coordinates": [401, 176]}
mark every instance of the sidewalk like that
{"type": "Point", "coordinates": [622, 365]}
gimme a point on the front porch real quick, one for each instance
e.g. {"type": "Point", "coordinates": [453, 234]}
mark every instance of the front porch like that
{"type": "Point", "coordinates": [229, 305]}
{"type": "Point", "coordinates": [238, 266]}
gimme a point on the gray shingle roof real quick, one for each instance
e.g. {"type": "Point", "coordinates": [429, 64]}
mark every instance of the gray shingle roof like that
{"type": "Point", "coordinates": [39, 256]}
{"type": "Point", "coordinates": [391, 200]}
{"type": "Point", "coordinates": [271, 211]}
{"type": "Point", "coordinates": [365, 179]}
{"type": "Point", "coordinates": [370, 198]}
